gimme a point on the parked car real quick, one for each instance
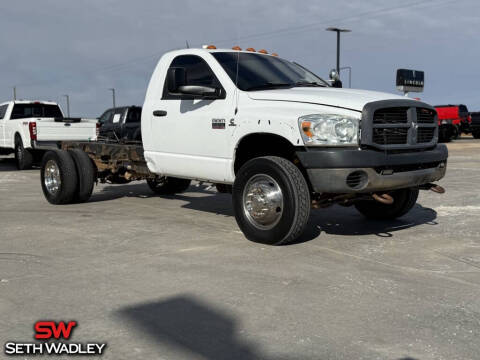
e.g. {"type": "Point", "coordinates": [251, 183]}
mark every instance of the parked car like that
{"type": "Point", "coordinates": [121, 123]}
{"type": "Point", "coordinates": [28, 128]}
{"type": "Point", "coordinates": [274, 133]}
{"type": "Point", "coordinates": [452, 121]}
{"type": "Point", "coordinates": [475, 124]}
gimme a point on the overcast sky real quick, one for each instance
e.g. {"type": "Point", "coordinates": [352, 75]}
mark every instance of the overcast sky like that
{"type": "Point", "coordinates": [83, 48]}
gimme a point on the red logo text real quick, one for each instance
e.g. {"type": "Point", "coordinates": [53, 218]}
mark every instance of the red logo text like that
{"type": "Point", "coordinates": [51, 329]}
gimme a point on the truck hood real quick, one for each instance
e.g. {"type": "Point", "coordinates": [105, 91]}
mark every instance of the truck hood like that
{"type": "Point", "coordinates": [352, 99]}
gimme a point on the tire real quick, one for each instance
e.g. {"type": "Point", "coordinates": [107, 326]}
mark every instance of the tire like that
{"type": "Point", "coordinates": [59, 172]}
{"type": "Point", "coordinates": [168, 185]}
{"type": "Point", "coordinates": [86, 175]}
{"type": "Point", "coordinates": [23, 157]}
{"type": "Point", "coordinates": [476, 134]}
{"type": "Point", "coordinates": [404, 200]}
{"type": "Point", "coordinates": [289, 209]}
{"type": "Point", "coordinates": [456, 133]}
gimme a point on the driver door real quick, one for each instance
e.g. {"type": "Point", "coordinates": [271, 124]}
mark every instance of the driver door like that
{"type": "Point", "coordinates": [192, 130]}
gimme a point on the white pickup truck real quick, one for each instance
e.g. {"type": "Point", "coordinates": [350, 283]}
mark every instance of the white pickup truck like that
{"type": "Point", "coordinates": [271, 132]}
{"type": "Point", "coordinates": [28, 128]}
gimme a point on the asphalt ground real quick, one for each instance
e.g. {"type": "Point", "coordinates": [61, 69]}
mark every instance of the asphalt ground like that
{"type": "Point", "coordinates": [174, 278]}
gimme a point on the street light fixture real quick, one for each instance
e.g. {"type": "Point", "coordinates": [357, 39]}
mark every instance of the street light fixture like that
{"type": "Point", "coordinates": [338, 31]}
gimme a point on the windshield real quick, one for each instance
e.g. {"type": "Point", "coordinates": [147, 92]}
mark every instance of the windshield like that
{"type": "Point", "coordinates": [22, 111]}
{"type": "Point", "coordinates": [260, 72]}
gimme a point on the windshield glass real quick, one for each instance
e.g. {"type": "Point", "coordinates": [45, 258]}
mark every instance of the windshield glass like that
{"type": "Point", "coordinates": [22, 111]}
{"type": "Point", "coordinates": [260, 72]}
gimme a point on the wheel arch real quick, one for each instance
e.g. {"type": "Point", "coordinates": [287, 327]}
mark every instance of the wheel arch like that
{"type": "Point", "coordinates": [263, 144]}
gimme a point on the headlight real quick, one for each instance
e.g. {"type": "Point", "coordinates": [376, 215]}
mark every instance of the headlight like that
{"type": "Point", "coordinates": [332, 130]}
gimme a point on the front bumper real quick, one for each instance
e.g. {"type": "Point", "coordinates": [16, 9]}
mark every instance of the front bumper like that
{"type": "Point", "coordinates": [363, 171]}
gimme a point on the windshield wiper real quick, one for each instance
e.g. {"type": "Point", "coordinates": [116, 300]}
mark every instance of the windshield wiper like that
{"type": "Point", "coordinates": [308, 83]}
{"type": "Point", "coordinates": [269, 85]}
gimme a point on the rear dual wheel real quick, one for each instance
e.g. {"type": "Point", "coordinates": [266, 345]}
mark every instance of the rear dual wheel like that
{"type": "Point", "coordinates": [67, 176]}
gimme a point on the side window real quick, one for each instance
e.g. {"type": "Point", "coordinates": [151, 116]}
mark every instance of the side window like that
{"type": "Point", "coordinates": [134, 115]}
{"type": "Point", "coordinates": [198, 73]}
{"type": "Point", "coordinates": [3, 110]}
{"type": "Point", "coordinates": [106, 117]}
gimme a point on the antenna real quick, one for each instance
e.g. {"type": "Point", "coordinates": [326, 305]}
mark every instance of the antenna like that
{"type": "Point", "coordinates": [186, 42]}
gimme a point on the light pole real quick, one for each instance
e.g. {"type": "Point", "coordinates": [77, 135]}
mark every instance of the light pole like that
{"type": "Point", "coordinates": [338, 31]}
{"type": "Point", "coordinates": [68, 104]}
{"type": "Point", "coordinates": [349, 68]}
{"type": "Point", "coordinates": [113, 96]}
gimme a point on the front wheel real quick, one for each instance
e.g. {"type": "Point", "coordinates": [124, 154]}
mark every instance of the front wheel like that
{"type": "Point", "coordinates": [271, 200]}
{"type": "Point", "coordinates": [403, 202]}
{"type": "Point", "coordinates": [23, 157]}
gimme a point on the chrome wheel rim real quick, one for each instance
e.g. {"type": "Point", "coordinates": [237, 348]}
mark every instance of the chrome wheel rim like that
{"type": "Point", "coordinates": [52, 178]}
{"type": "Point", "coordinates": [263, 202]}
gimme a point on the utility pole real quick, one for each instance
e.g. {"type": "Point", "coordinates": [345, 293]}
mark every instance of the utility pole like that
{"type": "Point", "coordinates": [338, 31]}
{"type": "Point", "coordinates": [14, 93]}
{"type": "Point", "coordinates": [68, 104]}
{"type": "Point", "coordinates": [113, 96]}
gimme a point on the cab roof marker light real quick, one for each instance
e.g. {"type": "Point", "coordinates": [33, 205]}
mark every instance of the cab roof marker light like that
{"type": "Point", "coordinates": [274, 54]}
{"type": "Point", "coordinates": [263, 51]}
{"type": "Point", "coordinates": [236, 47]}
{"type": "Point", "coordinates": [251, 49]}
{"type": "Point", "coordinates": [209, 47]}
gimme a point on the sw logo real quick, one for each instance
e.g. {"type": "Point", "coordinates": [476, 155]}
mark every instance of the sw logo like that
{"type": "Point", "coordinates": [50, 333]}
{"type": "Point", "coordinates": [49, 329]}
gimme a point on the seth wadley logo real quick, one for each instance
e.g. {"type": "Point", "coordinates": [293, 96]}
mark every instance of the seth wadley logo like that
{"type": "Point", "coordinates": [51, 330]}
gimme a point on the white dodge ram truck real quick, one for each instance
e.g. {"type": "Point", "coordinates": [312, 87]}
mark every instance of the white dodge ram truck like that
{"type": "Point", "coordinates": [28, 128]}
{"type": "Point", "coordinates": [271, 132]}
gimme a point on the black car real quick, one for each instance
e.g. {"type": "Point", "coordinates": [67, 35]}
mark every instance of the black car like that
{"type": "Point", "coordinates": [121, 123]}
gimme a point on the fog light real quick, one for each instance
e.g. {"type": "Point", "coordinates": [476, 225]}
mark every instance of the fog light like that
{"type": "Point", "coordinates": [357, 179]}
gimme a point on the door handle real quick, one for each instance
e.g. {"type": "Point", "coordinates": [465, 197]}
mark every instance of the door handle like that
{"type": "Point", "coordinates": [159, 113]}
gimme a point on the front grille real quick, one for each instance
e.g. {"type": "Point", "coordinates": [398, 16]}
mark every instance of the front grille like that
{"type": "Point", "coordinates": [392, 125]}
{"type": "Point", "coordinates": [425, 116]}
{"type": "Point", "coordinates": [425, 135]}
{"type": "Point", "coordinates": [391, 116]}
{"type": "Point", "coordinates": [390, 136]}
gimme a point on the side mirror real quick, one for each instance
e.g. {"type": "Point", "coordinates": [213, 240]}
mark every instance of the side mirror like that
{"type": "Point", "coordinates": [205, 91]}
{"type": "Point", "coordinates": [176, 77]}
